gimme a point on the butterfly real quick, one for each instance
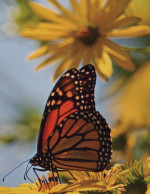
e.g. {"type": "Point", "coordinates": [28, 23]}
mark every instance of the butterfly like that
{"type": "Point", "coordinates": [73, 135]}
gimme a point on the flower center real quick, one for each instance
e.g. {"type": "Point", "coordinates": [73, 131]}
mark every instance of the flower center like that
{"type": "Point", "coordinates": [87, 35]}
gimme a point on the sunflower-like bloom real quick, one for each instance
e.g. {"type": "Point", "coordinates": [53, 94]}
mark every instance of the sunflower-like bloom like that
{"type": "Point", "coordinates": [47, 184]}
{"type": "Point", "coordinates": [82, 35]}
{"type": "Point", "coordinates": [121, 177]}
{"type": "Point", "coordinates": [104, 181]}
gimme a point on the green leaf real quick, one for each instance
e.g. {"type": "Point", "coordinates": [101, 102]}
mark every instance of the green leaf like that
{"type": "Point", "coordinates": [136, 186]}
{"type": "Point", "coordinates": [147, 179]}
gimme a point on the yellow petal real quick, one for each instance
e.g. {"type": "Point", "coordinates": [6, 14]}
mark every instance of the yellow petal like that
{"type": "Point", "coordinates": [91, 56]}
{"type": "Point", "coordinates": [148, 162]}
{"type": "Point", "coordinates": [62, 67]}
{"type": "Point", "coordinates": [39, 52]}
{"type": "Point", "coordinates": [117, 54]}
{"type": "Point", "coordinates": [50, 60]}
{"type": "Point", "coordinates": [58, 188]}
{"type": "Point", "coordinates": [43, 12]}
{"type": "Point", "coordinates": [54, 26]}
{"type": "Point", "coordinates": [80, 175]}
{"type": "Point", "coordinates": [135, 31]}
{"type": "Point", "coordinates": [148, 190]}
{"type": "Point", "coordinates": [18, 190]}
{"type": "Point", "coordinates": [86, 56]}
{"type": "Point", "coordinates": [60, 51]}
{"type": "Point", "coordinates": [112, 10]}
{"type": "Point", "coordinates": [77, 56]}
{"type": "Point", "coordinates": [75, 6]}
{"type": "Point", "coordinates": [47, 14]}
{"type": "Point", "coordinates": [123, 22]}
{"type": "Point", "coordinates": [103, 61]}
{"type": "Point", "coordinates": [43, 34]}
{"type": "Point", "coordinates": [104, 77]}
{"type": "Point", "coordinates": [47, 49]}
{"type": "Point", "coordinates": [84, 8]}
{"type": "Point", "coordinates": [127, 64]}
{"type": "Point", "coordinates": [104, 67]}
{"type": "Point", "coordinates": [94, 176]}
{"type": "Point", "coordinates": [95, 7]}
{"type": "Point", "coordinates": [105, 64]}
{"type": "Point", "coordinates": [68, 14]}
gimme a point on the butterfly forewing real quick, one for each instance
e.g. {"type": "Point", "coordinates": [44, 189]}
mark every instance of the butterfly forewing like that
{"type": "Point", "coordinates": [88, 77]}
{"type": "Point", "coordinates": [61, 102]}
{"type": "Point", "coordinates": [67, 97]}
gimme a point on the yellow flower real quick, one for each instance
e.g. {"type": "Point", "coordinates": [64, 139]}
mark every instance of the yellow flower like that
{"type": "Point", "coordinates": [140, 8]}
{"type": "Point", "coordinates": [81, 35]}
{"type": "Point", "coordinates": [104, 181]}
{"type": "Point", "coordinates": [48, 185]}
{"type": "Point", "coordinates": [117, 179]}
{"type": "Point", "coordinates": [134, 102]}
{"type": "Point", "coordinates": [148, 162]}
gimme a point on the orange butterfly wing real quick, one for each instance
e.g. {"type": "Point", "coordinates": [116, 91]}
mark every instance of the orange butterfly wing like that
{"type": "Point", "coordinates": [73, 92]}
{"type": "Point", "coordinates": [80, 142]}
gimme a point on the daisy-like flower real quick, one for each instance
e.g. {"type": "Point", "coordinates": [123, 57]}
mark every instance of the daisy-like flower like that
{"type": "Point", "coordinates": [82, 35]}
{"type": "Point", "coordinates": [119, 178]}
{"type": "Point", "coordinates": [104, 181]}
{"type": "Point", "coordinates": [47, 185]}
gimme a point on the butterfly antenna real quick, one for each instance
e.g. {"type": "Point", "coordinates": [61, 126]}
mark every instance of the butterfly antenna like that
{"type": "Point", "coordinates": [14, 169]}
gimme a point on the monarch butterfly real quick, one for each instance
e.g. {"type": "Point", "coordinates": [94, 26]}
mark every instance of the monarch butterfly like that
{"type": "Point", "coordinates": [73, 135]}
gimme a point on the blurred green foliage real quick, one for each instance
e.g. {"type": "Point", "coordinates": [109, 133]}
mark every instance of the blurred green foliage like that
{"type": "Point", "coordinates": [25, 15]}
{"type": "Point", "coordinates": [24, 129]}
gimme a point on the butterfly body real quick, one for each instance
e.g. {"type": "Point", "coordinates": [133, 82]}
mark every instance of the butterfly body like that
{"type": "Point", "coordinates": [73, 135]}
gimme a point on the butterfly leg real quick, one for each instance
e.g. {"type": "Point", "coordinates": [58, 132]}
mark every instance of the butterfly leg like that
{"type": "Point", "coordinates": [26, 174]}
{"type": "Point", "coordinates": [34, 169]}
{"type": "Point", "coordinates": [58, 177]}
{"type": "Point", "coordinates": [72, 175]}
{"type": "Point", "coordinates": [69, 173]}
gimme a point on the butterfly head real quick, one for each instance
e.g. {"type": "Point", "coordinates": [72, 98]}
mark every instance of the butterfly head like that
{"type": "Point", "coordinates": [35, 160]}
{"type": "Point", "coordinates": [41, 160]}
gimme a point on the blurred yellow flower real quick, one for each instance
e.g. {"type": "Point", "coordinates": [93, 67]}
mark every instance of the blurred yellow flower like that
{"type": "Point", "coordinates": [81, 35]}
{"type": "Point", "coordinates": [148, 162]}
{"type": "Point", "coordinates": [134, 102]}
{"type": "Point", "coordinates": [140, 8]}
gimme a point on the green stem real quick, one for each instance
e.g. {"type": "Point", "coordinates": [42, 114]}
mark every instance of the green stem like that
{"type": "Point", "coordinates": [138, 50]}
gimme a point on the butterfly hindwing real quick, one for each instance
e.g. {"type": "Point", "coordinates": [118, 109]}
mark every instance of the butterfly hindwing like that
{"type": "Point", "coordinates": [79, 142]}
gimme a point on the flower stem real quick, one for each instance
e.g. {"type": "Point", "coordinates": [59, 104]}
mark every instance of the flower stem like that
{"type": "Point", "coordinates": [138, 50]}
